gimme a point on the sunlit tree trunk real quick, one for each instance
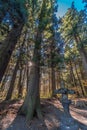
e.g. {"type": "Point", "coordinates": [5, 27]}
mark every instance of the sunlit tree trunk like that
{"type": "Point", "coordinates": [49, 82]}
{"type": "Point", "coordinates": [28, 73]}
{"type": "Point", "coordinates": [31, 103]}
{"type": "Point", "coordinates": [82, 91]}
{"type": "Point", "coordinates": [53, 79]}
{"type": "Point", "coordinates": [82, 80]}
{"type": "Point", "coordinates": [21, 82]}
{"type": "Point", "coordinates": [84, 64]}
{"type": "Point", "coordinates": [72, 74]}
{"type": "Point", "coordinates": [83, 55]}
{"type": "Point", "coordinates": [11, 88]}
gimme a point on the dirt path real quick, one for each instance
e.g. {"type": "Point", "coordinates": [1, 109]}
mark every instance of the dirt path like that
{"type": "Point", "coordinates": [52, 113]}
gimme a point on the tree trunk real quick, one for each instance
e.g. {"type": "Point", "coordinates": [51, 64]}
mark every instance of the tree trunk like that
{"type": "Point", "coordinates": [83, 55]}
{"type": "Point", "coordinates": [58, 79]}
{"type": "Point", "coordinates": [4, 79]}
{"type": "Point", "coordinates": [81, 70]}
{"type": "Point", "coordinates": [32, 100]}
{"type": "Point", "coordinates": [52, 48]}
{"type": "Point", "coordinates": [11, 88]}
{"type": "Point", "coordinates": [7, 48]}
{"type": "Point", "coordinates": [53, 80]}
{"type": "Point", "coordinates": [84, 64]}
{"type": "Point", "coordinates": [72, 74]}
{"type": "Point", "coordinates": [20, 84]}
{"type": "Point", "coordinates": [28, 74]}
{"type": "Point", "coordinates": [31, 103]}
{"type": "Point", "coordinates": [49, 82]}
{"type": "Point", "coordinates": [82, 91]}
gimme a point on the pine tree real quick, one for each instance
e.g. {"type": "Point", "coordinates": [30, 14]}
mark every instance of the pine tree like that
{"type": "Point", "coordinates": [72, 31]}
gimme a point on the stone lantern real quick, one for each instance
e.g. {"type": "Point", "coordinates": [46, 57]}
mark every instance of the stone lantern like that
{"type": "Point", "coordinates": [67, 122]}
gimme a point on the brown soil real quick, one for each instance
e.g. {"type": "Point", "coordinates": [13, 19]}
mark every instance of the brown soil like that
{"type": "Point", "coordinates": [52, 112]}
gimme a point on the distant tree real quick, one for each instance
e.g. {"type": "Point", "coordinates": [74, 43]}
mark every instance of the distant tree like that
{"type": "Point", "coordinates": [71, 30]}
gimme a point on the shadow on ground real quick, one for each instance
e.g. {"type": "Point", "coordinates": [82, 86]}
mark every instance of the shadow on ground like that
{"type": "Point", "coordinates": [51, 119]}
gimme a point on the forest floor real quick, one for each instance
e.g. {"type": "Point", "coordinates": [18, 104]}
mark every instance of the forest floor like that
{"type": "Point", "coordinates": [52, 113]}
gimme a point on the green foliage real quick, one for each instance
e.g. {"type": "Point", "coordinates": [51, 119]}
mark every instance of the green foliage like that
{"type": "Point", "coordinates": [69, 25]}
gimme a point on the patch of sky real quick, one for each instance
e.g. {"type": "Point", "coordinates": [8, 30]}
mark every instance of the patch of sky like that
{"type": "Point", "coordinates": [63, 5]}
